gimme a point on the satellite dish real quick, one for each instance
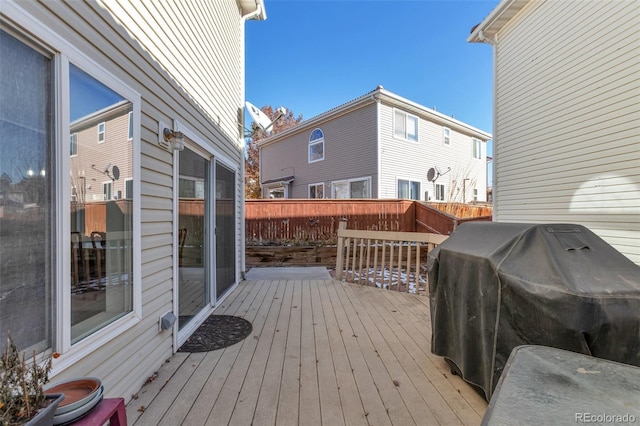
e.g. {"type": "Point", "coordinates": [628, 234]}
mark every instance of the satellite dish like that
{"type": "Point", "coordinates": [259, 117]}
{"type": "Point", "coordinates": [431, 174]}
{"type": "Point", "coordinates": [115, 172]}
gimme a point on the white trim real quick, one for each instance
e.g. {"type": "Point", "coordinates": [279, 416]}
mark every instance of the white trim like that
{"type": "Point", "coordinates": [102, 124]}
{"type": "Point", "coordinates": [379, 152]}
{"type": "Point", "coordinates": [316, 142]}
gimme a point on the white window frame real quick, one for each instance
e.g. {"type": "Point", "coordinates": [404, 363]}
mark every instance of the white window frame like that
{"type": "Point", "coordinates": [409, 182]}
{"type": "Point", "coordinates": [315, 142]}
{"type": "Point", "coordinates": [475, 194]}
{"type": "Point", "coordinates": [476, 151]}
{"type": "Point", "coordinates": [446, 135]}
{"type": "Point", "coordinates": [316, 185]}
{"type": "Point", "coordinates": [406, 117]}
{"type": "Point", "coordinates": [126, 182]}
{"type": "Point", "coordinates": [440, 192]}
{"type": "Point", "coordinates": [102, 133]}
{"type": "Point", "coordinates": [349, 181]}
{"type": "Point", "coordinates": [63, 53]}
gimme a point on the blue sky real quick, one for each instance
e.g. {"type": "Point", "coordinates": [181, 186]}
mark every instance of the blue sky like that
{"type": "Point", "coordinates": [310, 56]}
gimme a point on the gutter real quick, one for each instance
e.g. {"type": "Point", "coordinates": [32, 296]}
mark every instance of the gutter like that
{"type": "Point", "coordinates": [260, 12]}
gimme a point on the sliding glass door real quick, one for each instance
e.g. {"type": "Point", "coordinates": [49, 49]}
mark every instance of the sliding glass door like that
{"type": "Point", "coordinates": [194, 248]}
{"type": "Point", "coordinates": [225, 229]}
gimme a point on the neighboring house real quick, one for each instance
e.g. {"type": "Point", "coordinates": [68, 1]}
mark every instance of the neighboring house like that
{"type": "Point", "coordinates": [379, 145]}
{"type": "Point", "coordinates": [567, 115]}
{"type": "Point", "coordinates": [105, 227]}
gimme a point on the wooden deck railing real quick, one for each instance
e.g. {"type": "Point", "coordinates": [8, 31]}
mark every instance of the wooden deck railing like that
{"type": "Point", "coordinates": [390, 260]}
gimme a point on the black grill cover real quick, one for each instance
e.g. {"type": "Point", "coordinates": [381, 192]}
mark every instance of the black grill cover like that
{"type": "Point", "coordinates": [494, 286]}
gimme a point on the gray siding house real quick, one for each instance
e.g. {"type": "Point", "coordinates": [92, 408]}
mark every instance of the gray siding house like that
{"type": "Point", "coordinates": [122, 152]}
{"type": "Point", "coordinates": [379, 145]}
{"type": "Point", "coordinates": [567, 115]}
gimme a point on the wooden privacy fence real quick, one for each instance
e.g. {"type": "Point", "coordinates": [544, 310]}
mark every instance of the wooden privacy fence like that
{"type": "Point", "coordinates": [390, 260]}
{"type": "Point", "coordinates": [299, 220]}
{"type": "Point", "coordinates": [317, 220]}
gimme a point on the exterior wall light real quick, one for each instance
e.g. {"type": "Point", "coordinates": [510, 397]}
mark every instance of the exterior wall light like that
{"type": "Point", "coordinates": [169, 138]}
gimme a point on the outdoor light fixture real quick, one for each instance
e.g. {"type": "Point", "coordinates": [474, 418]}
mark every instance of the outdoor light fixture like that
{"type": "Point", "coordinates": [169, 138]}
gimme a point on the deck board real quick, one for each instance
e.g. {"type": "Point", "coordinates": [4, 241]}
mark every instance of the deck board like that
{"type": "Point", "coordinates": [321, 352]}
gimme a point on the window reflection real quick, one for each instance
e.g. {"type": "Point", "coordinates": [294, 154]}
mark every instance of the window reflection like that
{"type": "Point", "coordinates": [101, 206]}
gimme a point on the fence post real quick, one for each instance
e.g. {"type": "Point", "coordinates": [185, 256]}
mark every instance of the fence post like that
{"type": "Point", "coordinates": [340, 250]}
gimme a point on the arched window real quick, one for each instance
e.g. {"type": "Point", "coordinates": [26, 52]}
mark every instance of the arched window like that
{"type": "Point", "coordinates": [316, 146]}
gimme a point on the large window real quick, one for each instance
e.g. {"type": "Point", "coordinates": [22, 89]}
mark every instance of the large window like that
{"type": "Point", "coordinates": [316, 190]}
{"type": "Point", "coordinates": [316, 146]}
{"type": "Point", "coordinates": [61, 212]}
{"type": "Point", "coordinates": [352, 188]}
{"type": "Point", "coordinates": [405, 126]}
{"type": "Point", "coordinates": [408, 189]}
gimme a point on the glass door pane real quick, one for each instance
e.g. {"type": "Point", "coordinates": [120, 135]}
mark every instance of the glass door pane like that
{"type": "Point", "coordinates": [225, 229]}
{"type": "Point", "coordinates": [193, 235]}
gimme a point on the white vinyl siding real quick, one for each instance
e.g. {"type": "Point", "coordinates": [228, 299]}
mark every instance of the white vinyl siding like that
{"type": "Point", "coordinates": [182, 73]}
{"type": "Point", "coordinates": [412, 161]}
{"type": "Point", "coordinates": [568, 119]}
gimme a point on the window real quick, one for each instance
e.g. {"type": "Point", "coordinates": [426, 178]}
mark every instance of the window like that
{"type": "Point", "coordinates": [128, 189]}
{"type": "Point", "coordinates": [405, 126]}
{"type": "Point", "coordinates": [446, 135]}
{"type": "Point", "coordinates": [131, 125]}
{"type": "Point", "coordinates": [477, 148]}
{"type": "Point", "coordinates": [276, 193]}
{"type": "Point", "coordinates": [73, 144]}
{"type": "Point", "coordinates": [316, 146]}
{"type": "Point", "coordinates": [352, 188]}
{"type": "Point", "coordinates": [439, 192]}
{"type": "Point", "coordinates": [408, 189]}
{"type": "Point", "coordinates": [101, 127]}
{"type": "Point", "coordinates": [97, 286]}
{"type": "Point", "coordinates": [107, 190]}
{"type": "Point", "coordinates": [475, 194]}
{"type": "Point", "coordinates": [316, 190]}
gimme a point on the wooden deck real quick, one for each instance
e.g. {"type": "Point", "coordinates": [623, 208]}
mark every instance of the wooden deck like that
{"type": "Point", "coordinates": [321, 352]}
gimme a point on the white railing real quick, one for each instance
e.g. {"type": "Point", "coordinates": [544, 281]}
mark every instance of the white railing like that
{"type": "Point", "coordinates": [390, 260]}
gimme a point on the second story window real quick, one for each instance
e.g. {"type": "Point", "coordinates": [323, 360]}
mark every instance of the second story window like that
{"type": "Point", "coordinates": [446, 135]}
{"type": "Point", "coordinates": [316, 146]}
{"type": "Point", "coordinates": [405, 126]}
{"type": "Point", "coordinates": [101, 127]}
{"type": "Point", "coordinates": [477, 148]}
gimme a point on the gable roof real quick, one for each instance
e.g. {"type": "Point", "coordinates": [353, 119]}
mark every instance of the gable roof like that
{"type": "Point", "coordinates": [497, 19]}
{"type": "Point", "coordinates": [379, 94]}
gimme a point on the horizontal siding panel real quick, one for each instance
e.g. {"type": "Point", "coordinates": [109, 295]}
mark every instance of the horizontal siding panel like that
{"type": "Point", "coordinates": [568, 117]}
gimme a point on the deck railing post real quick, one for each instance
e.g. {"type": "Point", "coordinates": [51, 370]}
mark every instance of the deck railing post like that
{"type": "Point", "coordinates": [340, 250]}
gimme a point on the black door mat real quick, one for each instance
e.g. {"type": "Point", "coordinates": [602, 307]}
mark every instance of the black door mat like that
{"type": "Point", "coordinates": [217, 332]}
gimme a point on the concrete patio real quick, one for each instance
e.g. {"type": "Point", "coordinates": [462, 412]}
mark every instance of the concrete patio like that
{"type": "Point", "coordinates": [321, 352]}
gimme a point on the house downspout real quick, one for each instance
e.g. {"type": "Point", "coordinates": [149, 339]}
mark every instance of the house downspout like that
{"type": "Point", "coordinates": [243, 19]}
